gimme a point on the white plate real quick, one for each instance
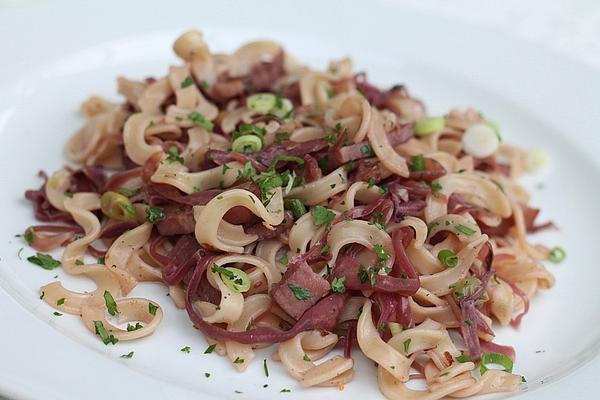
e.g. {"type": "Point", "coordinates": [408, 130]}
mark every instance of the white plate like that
{"type": "Point", "coordinates": [55, 55]}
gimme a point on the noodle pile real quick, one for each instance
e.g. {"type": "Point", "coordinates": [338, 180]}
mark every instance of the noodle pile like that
{"type": "Point", "coordinates": [306, 209]}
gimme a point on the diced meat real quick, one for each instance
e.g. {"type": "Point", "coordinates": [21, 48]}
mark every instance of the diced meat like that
{"type": "Point", "coordinates": [178, 220]}
{"type": "Point", "coordinates": [264, 74]}
{"type": "Point", "coordinates": [299, 289]}
{"type": "Point", "coordinates": [227, 89]}
{"type": "Point", "coordinates": [264, 233]}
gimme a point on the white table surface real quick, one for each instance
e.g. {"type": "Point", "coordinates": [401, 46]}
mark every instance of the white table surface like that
{"type": "Point", "coordinates": [568, 27]}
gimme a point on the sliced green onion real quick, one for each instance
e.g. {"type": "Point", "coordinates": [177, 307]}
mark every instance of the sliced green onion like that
{"type": "Point", "coordinates": [495, 127]}
{"type": "Point", "coordinates": [495, 358]}
{"type": "Point", "coordinates": [117, 206]}
{"type": "Point", "coordinates": [283, 108]}
{"type": "Point", "coordinates": [465, 229]}
{"type": "Point", "coordinates": [427, 126]}
{"type": "Point", "coordinates": [448, 258]}
{"type": "Point", "coordinates": [234, 278]}
{"type": "Point", "coordinates": [296, 207]}
{"type": "Point", "coordinates": [295, 159]}
{"type": "Point", "coordinates": [247, 144]}
{"type": "Point", "coordinates": [465, 287]}
{"type": "Point", "coordinates": [395, 328]}
{"type": "Point", "coordinates": [261, 102]}
{"type": "Point", "coordinates": [418, 163]}
{"type": "Point", "coordinates": [557, 255]}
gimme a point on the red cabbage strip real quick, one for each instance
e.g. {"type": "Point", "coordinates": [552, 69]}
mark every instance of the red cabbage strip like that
{"type": "Point", "coordinates": [323, 315]}
{"type": "Point", "coordinates": [349, 268]}
{"type": "Point", "coordinates": [344, 154]}
{"type": "Point", "coordinates": [349, 339]}
{"type": "Point", "coordinates": [160, 192]}
{"type": "Point", "coordinates": [402, 205]}
{"type": "Point", "coordinates": [114, 228]}
{"type": "Point", "coordinates": [264, 233]}
{"type": "Point", "coordinates": [311, 167]}
{"type": "Point", "coordinates": [387, 304]}
{"type": "Point", "coordinates": [492, 347]}
{"type": "Point", "coordinates": [468, 328]}
{"type": "Point", "coordinates": [94, 252]}
{"type": "Point", "coordinates": [404, 314]}
{"type": "Point", "coordinates": [90, 178]}
{"type": "Point", "coordinates": [43, 210]}
{"type": "Point", "coordinates": [261, 160]}
{"type": "Point", "coordinates": [181, 258]}
{"type": "Point", "coordinates": [517, 320]}
{"type": "Point", "coordinates": [365, 211]}
{"type": "Point", "coordinates": [120, 179]}
{"type": "Point", "coordinates": [470, 320]}
{"type": "Point", "coordinates": [401, 238]}
{"type": "Point", "coordinates": [155, 244]}
{"type": "Point", "coordinates": [374, 95]}
{"type": "Point", "coordinates": [49, 237]}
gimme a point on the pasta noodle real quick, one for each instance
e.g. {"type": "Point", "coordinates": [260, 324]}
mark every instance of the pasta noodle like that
{"type": "Point", "coordinates": [308, 209]}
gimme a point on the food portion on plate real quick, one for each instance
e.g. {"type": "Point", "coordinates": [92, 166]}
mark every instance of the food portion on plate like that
{"type": "Point", "coordinates": [308, 210]}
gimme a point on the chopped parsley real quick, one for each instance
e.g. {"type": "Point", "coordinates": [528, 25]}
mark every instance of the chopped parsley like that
{"type": "Point", "coordinates": [44, 260]}
{"type": "Point", "coordinates": [128, 355]}
{"type": "Point", "coordinates": [198, 119]}
{"type": "Point", "coordinates": [418, 163]}
{"type": "Point", "coordinates": [283, 260]}
{"type": "Point", "coordinates": [152, 308]}
{"type": "Point", "coordinates": [155, 214]}
{"type": "Point", "coordinates": [135, 327]}
{"type": "Point", "coordinates": [363, 276]}
{"type": "Point", "coordinates": [299, 292]}
{"type": "Point", "coordinates": [78, 262]}
{"type": "Point", "coordinates": [463, 358]}
{"type": "Point", "coordinates": [207, 375]}
{"type": "Point", "coordinates": [174, 155]}
{"type": "Point", "coordinates": [371, 182]}
{"type": "Point", "coordinates": [128, 192]}
{"type": "Point", "coordinates": [325, 249]}
{"type": "Point", "coordinates": [186, 349]}
{"type": "Point", "coordinates": [296, 207]}
{"type": "Point", "coordinates": [338, 285]}
{"type": "Point", "coordinates": [104, 335]}
{"type": "Point", "coordinates": [188, 81]}
{"type": "Point", "coordinates": [60, 301]}
{"type": "Point", "coordinates": [382, 253]}
{"type": "Point", "coordinates": [366, 150]}
{"type": "Point", "coordinates": [100, 260]}
{"type": "Point", "coordinates": [247, 172]}
{"type": "Point", "coordinates": [57, 313]}
{"type": "Point", "coordinates": [306, 357]}
{"type": "Point", "coordinates": [284, 390]}
{"type": "Point", "coordinates": [321, 215]}
{"type": "Point", "coordinates": [238, 360]}
{"type": "Point", "coordinates": [265, 367]}
{"type": "Point", "coordinates": [210, 349]}
{"type": "Point", "coordinates": [111, 305]}
{"type": "Point", "coordinates": [436, 187]}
